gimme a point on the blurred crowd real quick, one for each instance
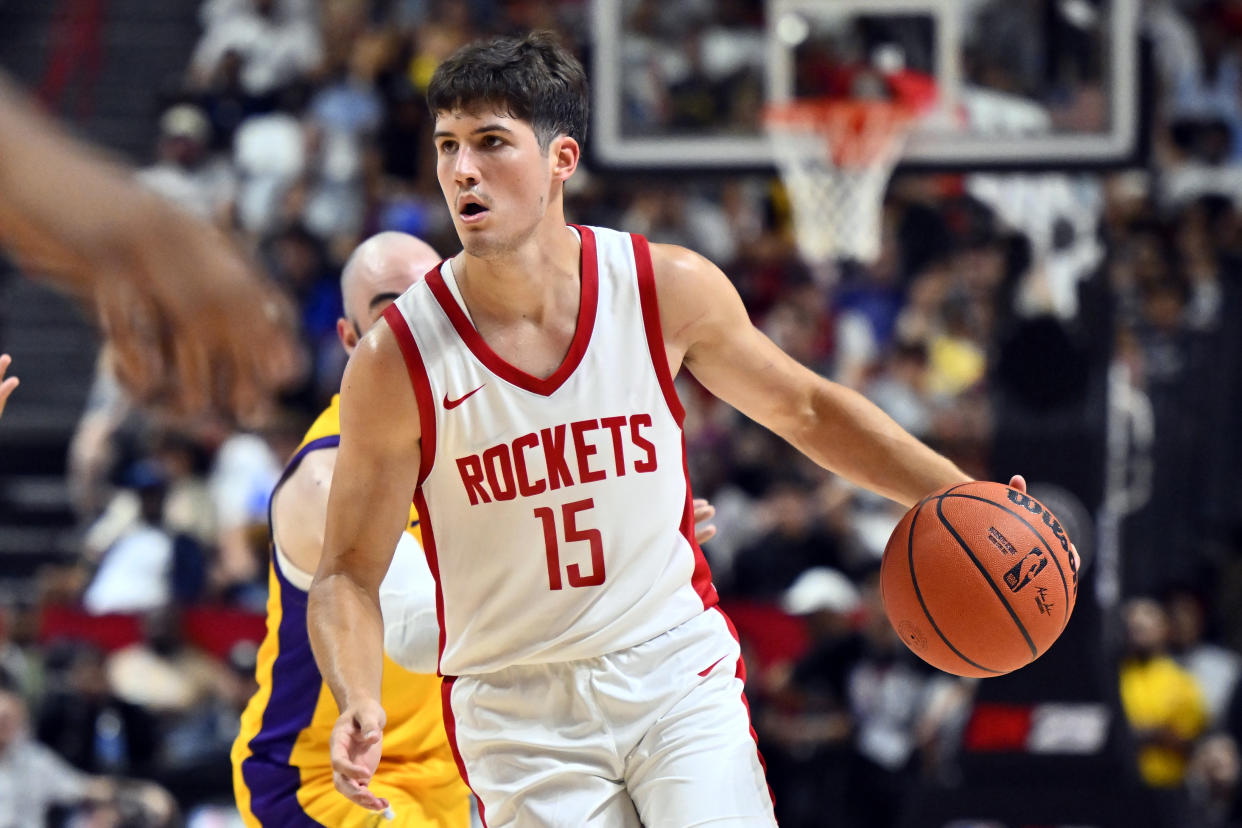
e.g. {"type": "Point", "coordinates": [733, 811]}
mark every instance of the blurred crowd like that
{"type": "Point", "coordinates": [300, 127]}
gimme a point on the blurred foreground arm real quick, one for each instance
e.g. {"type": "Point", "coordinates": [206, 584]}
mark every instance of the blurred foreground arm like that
{"type": "Point", "coordinates": [191, 322]}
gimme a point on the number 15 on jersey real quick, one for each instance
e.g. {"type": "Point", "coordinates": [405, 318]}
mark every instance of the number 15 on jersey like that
{"type": "Point", "coordinates": [572, 533]}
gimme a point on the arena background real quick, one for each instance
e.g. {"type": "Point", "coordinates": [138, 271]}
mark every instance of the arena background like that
{"type": "Point", "coordinates": [1057, 293]}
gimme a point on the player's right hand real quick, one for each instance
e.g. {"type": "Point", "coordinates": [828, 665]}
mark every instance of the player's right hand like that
{"type": "Point", "coordinates": [357, 740]}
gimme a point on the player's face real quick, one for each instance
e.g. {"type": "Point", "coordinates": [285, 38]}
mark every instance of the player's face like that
{"type": "Point", "coordinates": [495, 178]}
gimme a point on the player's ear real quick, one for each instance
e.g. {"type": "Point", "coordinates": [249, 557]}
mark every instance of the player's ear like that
{"type": "Point", "coordinates": [565, 154]}
{"type": "Point", "coordinates": [345, 333]}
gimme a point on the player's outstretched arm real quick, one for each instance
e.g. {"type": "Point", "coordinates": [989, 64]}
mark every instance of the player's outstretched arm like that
{"type": "Point", "coordinates": [192, 323]}
{"type": "Point", "coordinates": [706, 328]}
{"type": "Point", "coordinates": [6, 385]}
{"type": "Point", "coordinates": [372, 484]}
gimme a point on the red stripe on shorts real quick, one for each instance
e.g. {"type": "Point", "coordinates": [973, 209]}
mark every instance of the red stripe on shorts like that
{"type": "Point", "coordinates": [741, 674]}
{"type": "Point", "coordinates": [450, 729]}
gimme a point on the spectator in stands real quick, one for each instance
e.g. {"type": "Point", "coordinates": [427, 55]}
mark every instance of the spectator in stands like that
{"type": "Point", "coordinates": [135, 572]}
{"type": "Point", "coordinates": [900, 387]}
{"type": "Point", "coordinates": [242, 476]}
{"type": "Point", "coordinates": [277, 42]}
{"type": "Point", "coordinates": [895, 704]}
{"type": "Point", "coordinates": [1162, 702]}
{"type": "Point", "coordinates": [6, 385]}
{"type": "Point", "coordinates": [794, 542]}
{"type": "Point", "coordinates": [195, 699]}
{"type": "Point", "coordinates": [21, 658]}
{"type": "Point", "coordinates": [271, 154]}
{"type": "Point", "coordinates": [1207, 89]}
{"type": "Point", "coordinates": [186, 172]}
{"type": "Point", "coordinates": [33, 778]}
{"type": "Point", "coordinates": [806, 723]}
{"type": "Point", "coordinates": [1215, 668]}
{"type": "Point", "coordinates": [83, 721]}
{"type": "Point", "coordinates": [1212, 780]}
{"type": "Point", "coordinates": [39, 788]}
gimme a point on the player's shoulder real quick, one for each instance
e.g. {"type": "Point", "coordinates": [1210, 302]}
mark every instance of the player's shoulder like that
{"type": "Point", "coordinates": [309, 482]}
{"type": "Point", "coordinates": [380, 350]}
{"type": "Point", "coordinates": [683, 274]}
{"type": "Point", "coordinates": [677, 259]}
{"type": "Point", "coordinates": [386, 360]}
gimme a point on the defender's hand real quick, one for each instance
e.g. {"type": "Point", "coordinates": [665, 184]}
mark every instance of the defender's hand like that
{"type": "Point", "coordinates": [357, 740]}
{"type": "Point", "coordinates": [703, 512]}
{"type": "Point", "coordinates": [6, 385]}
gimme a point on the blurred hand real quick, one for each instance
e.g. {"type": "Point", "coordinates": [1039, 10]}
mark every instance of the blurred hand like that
{"type": "Point", "coordinates": [193, 325]}
{"type": "Point", "coordinates": [703, 512]}
{"type": "Point", "coordinates": [6, 385]}
{"type": "Point", "coordinates": [357, 741]}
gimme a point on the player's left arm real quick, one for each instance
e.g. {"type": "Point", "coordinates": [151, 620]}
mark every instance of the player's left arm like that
{"type": "Point", "coordinates": [375, 476]}
{"type": "Point", "coordinates": [707, 329]}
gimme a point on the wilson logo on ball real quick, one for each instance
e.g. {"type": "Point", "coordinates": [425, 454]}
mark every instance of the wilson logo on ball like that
{"type": "Point", "coordinates": [1036, 508]}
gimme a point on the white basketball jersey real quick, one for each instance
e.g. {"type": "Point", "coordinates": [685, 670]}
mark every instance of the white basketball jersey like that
{"type": "Point", "coordinates": [556, 512]}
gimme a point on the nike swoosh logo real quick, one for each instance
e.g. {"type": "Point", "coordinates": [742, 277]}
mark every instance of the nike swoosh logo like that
{"type": "Point", "coordinates": [449, 405]}
{"type": "Point", "coordinates": [704, 673]}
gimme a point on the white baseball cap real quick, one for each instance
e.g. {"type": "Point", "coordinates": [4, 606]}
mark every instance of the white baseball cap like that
{"type": "Point", "coordinates": [821, 588]}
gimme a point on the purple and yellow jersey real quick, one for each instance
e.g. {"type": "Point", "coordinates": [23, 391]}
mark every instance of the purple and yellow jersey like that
{"type": "Point", "coordinates": [282, 774]}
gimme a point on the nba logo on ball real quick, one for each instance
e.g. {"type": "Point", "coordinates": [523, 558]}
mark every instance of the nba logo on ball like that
{"type": "Point", "coordinates": [1026, 569]}
{"type": "Point", "coordinates": [954, 592]}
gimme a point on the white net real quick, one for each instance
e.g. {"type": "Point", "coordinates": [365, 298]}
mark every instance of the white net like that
{"type": "Point", "coordinates": [835, 159]}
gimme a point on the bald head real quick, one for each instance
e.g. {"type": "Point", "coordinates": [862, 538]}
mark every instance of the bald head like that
{"type": "Point", "coordinates": [377, 272]}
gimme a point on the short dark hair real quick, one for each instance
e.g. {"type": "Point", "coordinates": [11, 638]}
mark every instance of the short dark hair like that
{"type": "Point", "coordinates": [532, 78]}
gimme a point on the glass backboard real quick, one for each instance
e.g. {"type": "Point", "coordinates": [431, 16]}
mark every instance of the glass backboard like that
{"type": "Point", "coordinates": [1021, 83]}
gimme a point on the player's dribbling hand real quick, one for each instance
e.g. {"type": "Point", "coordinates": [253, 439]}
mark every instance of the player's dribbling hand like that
{"type": "Point", "coordinates": [6, 385]}
{"type": "Point", "coordinates": [703, 512]}
{"type": "Point", "coordinates": [357, 740]}
{"type": "Point", "coordinates": [1019, 482]}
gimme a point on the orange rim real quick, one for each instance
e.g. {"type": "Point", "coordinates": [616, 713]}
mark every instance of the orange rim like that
{"type": "Point", "coordinates": [855, 132]}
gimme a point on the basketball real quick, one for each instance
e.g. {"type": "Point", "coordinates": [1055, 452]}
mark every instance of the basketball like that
{"type": "Point", "coordinates": [978, 580]}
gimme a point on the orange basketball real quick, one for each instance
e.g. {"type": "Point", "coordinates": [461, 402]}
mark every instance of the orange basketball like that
{"type": "Point", "coordinates": [978, 580]}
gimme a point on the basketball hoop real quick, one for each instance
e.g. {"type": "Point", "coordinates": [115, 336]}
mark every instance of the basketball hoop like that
{"type": "Point", "coordinates": [835, 157]}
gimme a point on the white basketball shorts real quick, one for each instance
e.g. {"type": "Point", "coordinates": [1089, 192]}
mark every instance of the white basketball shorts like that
{"type": "Point", "coordinates": [657, 735]}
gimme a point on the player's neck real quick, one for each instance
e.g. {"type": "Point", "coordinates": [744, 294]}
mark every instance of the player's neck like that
{"type": "Point", "coordinates": [524, 282]}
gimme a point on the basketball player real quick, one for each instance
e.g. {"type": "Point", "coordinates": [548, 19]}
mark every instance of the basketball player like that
{"type": "Point", "coordinates": [190, 322]}
{"type": "Point", "coordinates": [524, 392]}
{"type": "Point", "coordinates": [281, 770]}
{"type": "Point", "coordinates": [6, 385]}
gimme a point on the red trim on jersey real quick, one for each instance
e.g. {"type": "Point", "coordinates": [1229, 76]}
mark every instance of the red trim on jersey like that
{"type": "Point", "coordinates": [701, 578]}
{"type": "Point", "coordinates": [422, 390]}
{"type": "Point", "coordinates": [427, 448]}
{"type": "Point", "coordinates": [740, 672]}
{"type": "Point", "coordinates": [651, 324]}
{"type": "Point", "coordinates": [428, 534]}
{"type": "Point", "coordinates": [450, 729]}
{"type": "Point", "coordinates": [587, 304]}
